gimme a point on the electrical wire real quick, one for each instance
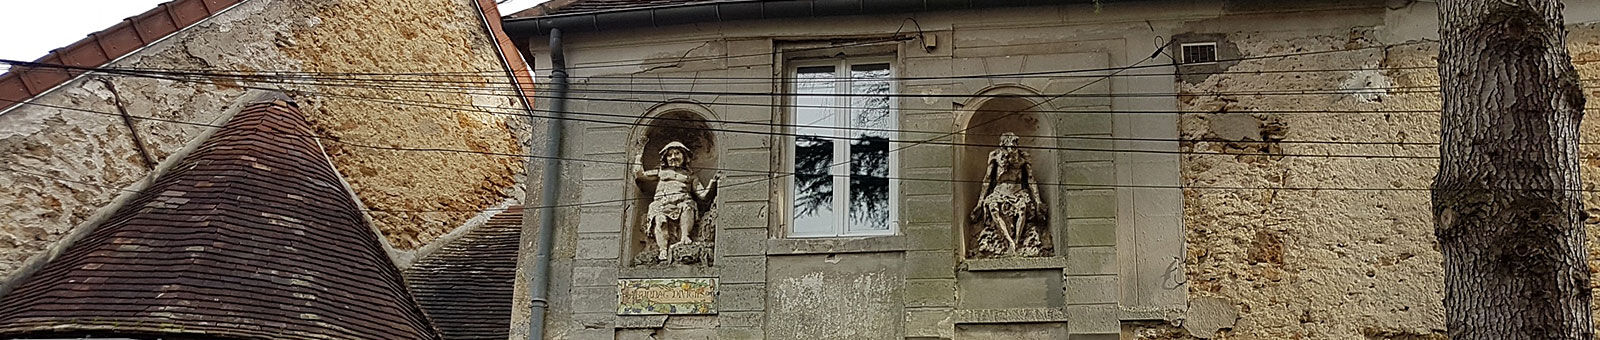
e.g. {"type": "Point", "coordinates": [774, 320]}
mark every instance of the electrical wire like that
{"type": "Point", "coordinates": [420, 89]}
{"type": "Point", "coordinates": [478, 82]}
{"type": "Point", "coordinates": [1068, 73]}
{"type": "Point", "coordinates": [342, 141]}
{"type": "Point", "coordinates": [630, 117]}
{"type": "Point", "coordinates": [773, 175]}
{"type": "Point", "coordinates": [941, 143]}
{"type": "Point", "coordinates": [766, 172]}
{"type": "Point", "coordinates": [903, 142]}
{"type": "Point", "coordinates": [911, 132]}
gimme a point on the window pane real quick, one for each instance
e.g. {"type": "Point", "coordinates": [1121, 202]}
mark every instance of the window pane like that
{"type": "Point", "coordinates": [813, 151]}
{"type": "Point", "coordinates": [870, 119]}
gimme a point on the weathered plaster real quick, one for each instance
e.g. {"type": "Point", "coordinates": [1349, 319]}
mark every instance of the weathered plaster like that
{"type": "Point", "coordinates": [440, 190]}
{"type": "Point", "coordinates": [94, 158]}
{"type": "Point", "coordinates": [846, 296]}
{"type": "Point", "coordinates": [1326, 264]}
{"type": "Point", "coordinates": [1317, 264]}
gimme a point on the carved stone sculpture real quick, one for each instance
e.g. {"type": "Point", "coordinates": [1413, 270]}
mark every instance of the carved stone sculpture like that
{"type": "Point", "coordinates": [675, 208]}
{"type": "Point", "coordinates": [1010, 211]}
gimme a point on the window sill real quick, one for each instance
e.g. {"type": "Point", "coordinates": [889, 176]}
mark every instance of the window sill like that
{"type": "Point", "coordinates": [801, 246]}
{"type": "Point", "coordinates": [1018, 263]}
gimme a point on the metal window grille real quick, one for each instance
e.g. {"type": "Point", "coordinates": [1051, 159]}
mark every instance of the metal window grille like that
{"type": "Point", "coordinates": [1200, 53]}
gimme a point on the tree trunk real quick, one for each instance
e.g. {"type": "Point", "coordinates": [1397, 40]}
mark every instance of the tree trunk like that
{"type": "Point", "coordinates": [1507, 210]}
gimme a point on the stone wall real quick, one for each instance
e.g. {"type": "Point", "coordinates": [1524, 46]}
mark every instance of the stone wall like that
{"type": "Point", "coordinates": [90, 158]}
{"type": "Point", "coordinates": [1325, 264]}
{"type": "Point", "coordinates": [474, 112]}
{"type": "Point", "coordinates": [1114, 254]}
{"type": "Point", "coordinates": [1263, 255]}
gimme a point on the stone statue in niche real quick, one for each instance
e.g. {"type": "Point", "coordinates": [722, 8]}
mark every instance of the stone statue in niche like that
{"type": "Point", "coordinates": [1010, 210]}
{"type": "Point", "coordinates": [675, 209]}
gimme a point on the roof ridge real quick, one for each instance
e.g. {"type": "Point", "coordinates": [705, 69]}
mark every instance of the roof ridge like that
{"type": "Point", "coordinates": [20, 84]}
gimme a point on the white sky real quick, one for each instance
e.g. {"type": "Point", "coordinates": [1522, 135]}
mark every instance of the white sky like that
{"type": "Point", "coordinates": [512, 6]}
{"type": "Point", "coordinates": [31, 28]}
{"type": "Point", "coordinates": [34, 27]}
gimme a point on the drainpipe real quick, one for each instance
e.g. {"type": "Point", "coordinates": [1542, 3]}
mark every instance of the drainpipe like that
{"type": "Point", "coordinates": [539, 288]}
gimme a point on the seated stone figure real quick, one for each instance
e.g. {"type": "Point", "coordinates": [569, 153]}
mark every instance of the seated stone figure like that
{"type": "Point", "coordinates": [1010, 209]}
{"type": "Point", "coordinates": [677, 199]}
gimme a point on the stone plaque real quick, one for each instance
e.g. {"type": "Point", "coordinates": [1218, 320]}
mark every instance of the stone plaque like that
{"type": "Point", "coordinates": [666, 296]}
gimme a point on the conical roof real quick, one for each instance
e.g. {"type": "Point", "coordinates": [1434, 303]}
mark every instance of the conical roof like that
{"type": "Point", "coordinates": [251, 236]}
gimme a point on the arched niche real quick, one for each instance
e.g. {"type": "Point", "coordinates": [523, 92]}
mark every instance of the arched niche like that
{"type": "Point", "coordinates": [985, 118]}
{"type": "Point", "coordinates": [686, 123]}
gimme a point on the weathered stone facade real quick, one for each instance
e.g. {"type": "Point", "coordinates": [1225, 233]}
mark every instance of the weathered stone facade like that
{"type": "Point", "coordinates": [1113, 255]}
{"type": "Point", "coordinates": [1247, 249]}
{"type": "Point", "coordinates": [94, 157]}
{"type": "Point", "coordinates": [1292, 240]}
{"type": "Point", "coordinates": [1326, 264]}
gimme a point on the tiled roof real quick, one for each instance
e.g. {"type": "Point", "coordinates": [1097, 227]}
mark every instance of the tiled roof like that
{"type": "Point", "coordinates": [250, 236]}
{"type": "Point", "coordinates": [466, 285]}
{"type": "Point", "coordinates": [99, 48]}
{"type": "Point", "coordinates": [558, 7]}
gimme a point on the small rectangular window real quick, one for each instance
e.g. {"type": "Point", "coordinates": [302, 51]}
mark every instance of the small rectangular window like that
{"type": "Point", "coordinates": [842, 120]}
{"type": "Point", "coordinates": [1199, 53]}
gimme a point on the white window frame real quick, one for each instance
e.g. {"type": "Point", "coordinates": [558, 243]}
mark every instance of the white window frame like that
{"type": "Point", "coordinates": [1183, 50]}
{"type": "Point", "coordinates": [841, 150]}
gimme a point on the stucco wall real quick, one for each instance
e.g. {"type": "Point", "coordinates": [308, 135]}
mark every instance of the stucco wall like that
{"type": "Point", "coordinates": [94, 155]}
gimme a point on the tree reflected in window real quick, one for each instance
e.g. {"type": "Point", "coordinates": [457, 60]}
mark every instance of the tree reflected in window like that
{"type": "Point", "coordinates": [869, 148]}
{"type": "Point", "coordinates": [842, 130]}
{"type": "Point", "coordinates": [813, 185]}
{"type": "Point", "coordinates": [869, 183]}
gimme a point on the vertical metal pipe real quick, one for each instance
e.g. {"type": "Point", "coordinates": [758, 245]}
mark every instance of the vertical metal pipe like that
{"type": "Point", "coordinates": [551, 179]}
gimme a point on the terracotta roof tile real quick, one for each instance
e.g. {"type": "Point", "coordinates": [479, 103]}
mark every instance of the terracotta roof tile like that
{"type": "Point", "coordinates": [559, 7]}
{"type": "Point", "coordinates": [251, 236]}
{"type": "Point", "coordinates": [466, 286]}
{"type": "Point", "coordinates": [22, 83]}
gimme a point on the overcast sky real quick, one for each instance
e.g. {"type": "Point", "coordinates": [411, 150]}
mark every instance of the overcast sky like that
{"type": "Point", "coordinates": [34, 27]}
{"type": "Point", "coordinates": [31, 28]}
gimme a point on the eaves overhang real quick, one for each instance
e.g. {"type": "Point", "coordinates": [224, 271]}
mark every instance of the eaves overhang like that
{"type": "Point", "coordinates": [20, 84]}
{"type": "Point", "coordinates": [734, 10]}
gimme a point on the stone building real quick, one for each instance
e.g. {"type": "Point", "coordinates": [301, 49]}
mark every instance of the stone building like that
{"type": "Point", "coordinates": [1237, 169]}
{"type": "Point", "coordinates": [254, 169]}
{"type": "Point", "coordinates": [734, 170]}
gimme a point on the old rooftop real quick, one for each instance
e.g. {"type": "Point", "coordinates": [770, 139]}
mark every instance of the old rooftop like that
{"type": "Point", "coordinates": [467, 285]}
{"type": "Point", "coordinates": [251, 236]}
{"type": "Point", "coordinates": [100, 48]}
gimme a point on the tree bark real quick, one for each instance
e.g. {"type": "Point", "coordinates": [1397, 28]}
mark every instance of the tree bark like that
{"type": "Point", "coordinates": [1507, 210]}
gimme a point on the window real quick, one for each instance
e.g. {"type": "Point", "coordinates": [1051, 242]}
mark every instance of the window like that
{"type": "Point", "coordinates": [1198, 53]}
{"type": "Point", "coordinates": [842, 121]}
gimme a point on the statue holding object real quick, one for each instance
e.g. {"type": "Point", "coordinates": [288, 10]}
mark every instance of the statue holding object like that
{"type": "Point", "coordinates": [677, 201]}
{"type": "Point", "coordinates": [1010, 209]}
